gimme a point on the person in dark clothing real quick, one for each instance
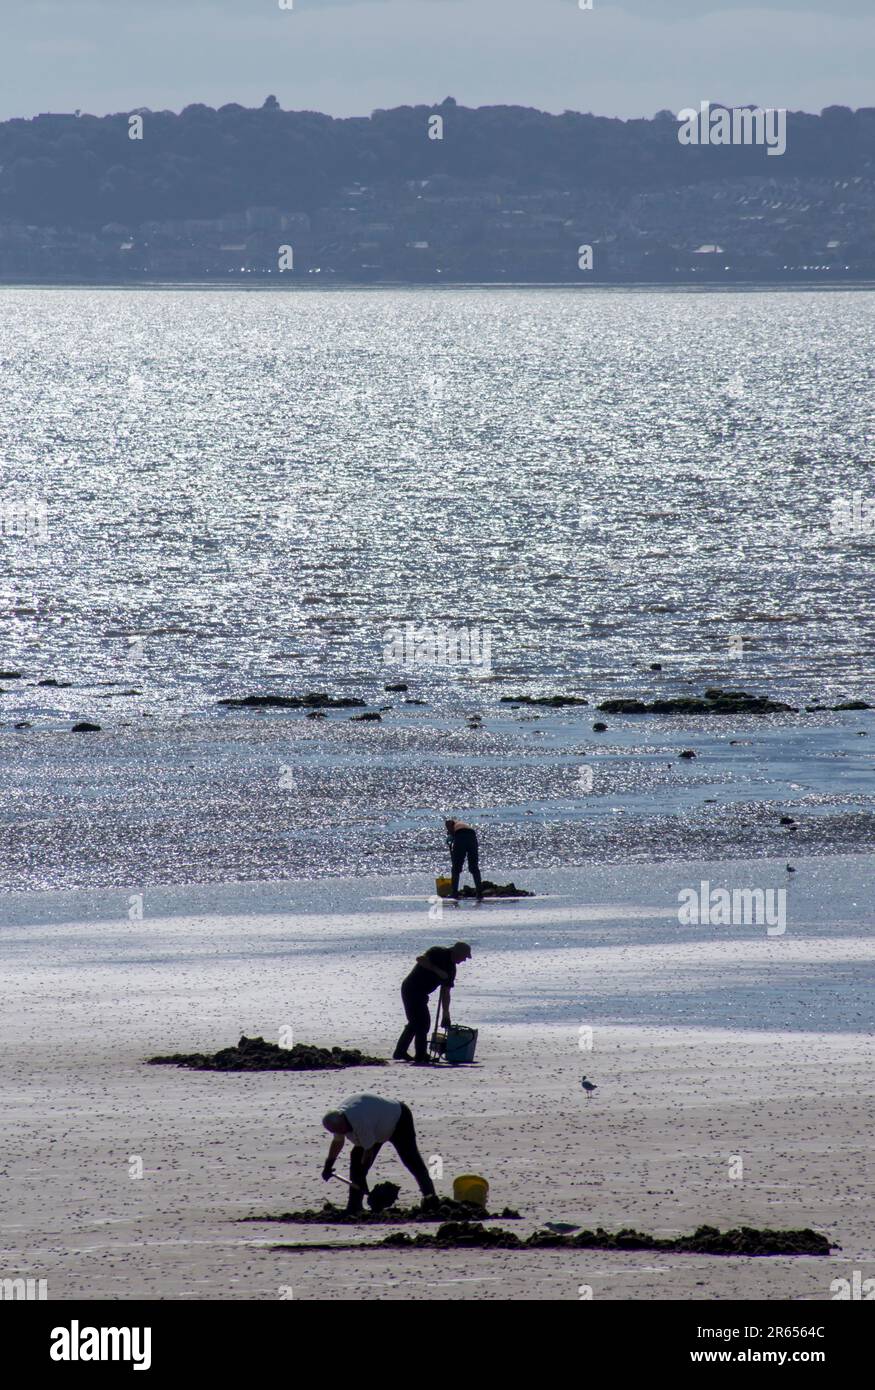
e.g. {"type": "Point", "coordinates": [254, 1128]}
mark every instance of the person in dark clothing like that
{"type": "Point", "coordinates": [462, 840]}
{"type": "Point", "coordinates": [436, 967]}
{"type": "Point", "coordinates": [369, 1122]}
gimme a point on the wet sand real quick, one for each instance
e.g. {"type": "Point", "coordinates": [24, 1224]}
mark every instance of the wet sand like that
{"type": "Point", "coordinates": [724, 1125]}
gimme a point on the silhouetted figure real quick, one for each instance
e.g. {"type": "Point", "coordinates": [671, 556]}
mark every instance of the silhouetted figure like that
{"type": "Point", "coordinates": [462, 840]}
{"type": "Point", "coordinates": [436, 967]}
{"type": "Point", "coordinates": [369, 1122]}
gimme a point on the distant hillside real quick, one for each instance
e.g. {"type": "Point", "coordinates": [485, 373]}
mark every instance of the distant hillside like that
{"type": "Point", "coordinates": [507, 191]}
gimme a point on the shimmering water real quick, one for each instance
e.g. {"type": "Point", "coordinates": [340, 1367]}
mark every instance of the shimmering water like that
{"type": "Point", "coordinates": [245, 491]}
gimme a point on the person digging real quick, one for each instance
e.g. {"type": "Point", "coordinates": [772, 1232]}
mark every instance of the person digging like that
{"type": "Point", "coordinates": [369, 1122]}
{"type": "Point", "coordinates": [436, 967]}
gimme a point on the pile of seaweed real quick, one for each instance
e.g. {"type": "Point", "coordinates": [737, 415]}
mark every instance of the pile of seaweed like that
{"type": "Point", "coordinates": [707, 1240]}
{"type": "Point", "coordinates": [444, 1210]}
{"type": "Point", "coordinates": [495, 890]}
{"type": "Point", "coordinates": [254, 1054]}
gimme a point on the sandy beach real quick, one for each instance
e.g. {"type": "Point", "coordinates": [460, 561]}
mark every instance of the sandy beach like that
{"type": "Point", "coordinates": [733, 1072]}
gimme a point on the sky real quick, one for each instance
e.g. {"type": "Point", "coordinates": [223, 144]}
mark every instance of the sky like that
{"type": "Point", "coordinates": [348, 57]}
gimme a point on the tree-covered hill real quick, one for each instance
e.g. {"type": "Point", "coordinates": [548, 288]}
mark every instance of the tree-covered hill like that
{"type": "Point", "coordinates": [84, 171]}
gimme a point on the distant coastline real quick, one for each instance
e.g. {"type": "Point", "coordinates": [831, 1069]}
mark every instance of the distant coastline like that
{"type": "Point", "coordinates": [300, 284]}
{"type": "Point", "coordinates": [426, 195]}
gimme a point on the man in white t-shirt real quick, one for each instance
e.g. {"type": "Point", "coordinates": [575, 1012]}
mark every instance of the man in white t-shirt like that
{"type": "Point", "coordinates": [368, 1122]}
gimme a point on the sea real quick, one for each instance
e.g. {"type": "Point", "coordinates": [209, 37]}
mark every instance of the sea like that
{"type": "Point", "coordinates": [477, 493]}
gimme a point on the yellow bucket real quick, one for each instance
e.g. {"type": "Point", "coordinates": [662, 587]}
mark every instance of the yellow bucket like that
{"type": "Point", "coordinates": [470, 1188]}
{"type": "Point", "coordinates": [442, 886]}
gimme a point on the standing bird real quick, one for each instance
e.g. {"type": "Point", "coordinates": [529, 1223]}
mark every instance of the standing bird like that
{"type": "Point", "coordinates": [588, 1087]}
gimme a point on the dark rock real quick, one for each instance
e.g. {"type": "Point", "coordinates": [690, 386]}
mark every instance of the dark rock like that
{"type": "Point", "coordinates": [554, 701]}
{"type": "Point", "coordinates": [316, 714]}
{"type": "Point", "coordinates": [83, 727]}
{"type": "Point", "coordinates": [837, 709]}
{"type": "Point", "coordinates": [309, 701]}
{"type": "Point", "coordinates": [254, 1054]}
{"type": "Point", "coordinates": [111, 695]}
{"type": "Point", "coordinates": [687, 753]}
{"type": "Point", "coordinates": [370, 717]}
{"type": "Point", "coordinates": [60, 685]}
{"type": "Point", "coordinates": [414, 702]}
{"type": "Point", "coordinates": [787, 820]}
{"type": "Point", "coordinates": [623, 707]}
{"type": "Point", "coordinates": [656, 665]}
{"type": "Point", "coordinates": [10, 675]}
{"type": "Point", "coordinates": [23, 724]}
{"type": "Point", "coordinates": [398, 685]}
{"type": "Point", "coordinates": [714, 702]}
{"type": "Point", "coordinates": [599, 727]}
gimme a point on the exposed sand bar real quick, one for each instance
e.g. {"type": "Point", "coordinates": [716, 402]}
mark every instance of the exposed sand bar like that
{"type": "Point", "coordinates": [709, 1046]}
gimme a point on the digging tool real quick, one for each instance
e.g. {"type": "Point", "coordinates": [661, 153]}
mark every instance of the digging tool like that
{"type": "Point", "coordinates": [437, 1043]}
{"type": "Point", "coordinates": [379, 1197]}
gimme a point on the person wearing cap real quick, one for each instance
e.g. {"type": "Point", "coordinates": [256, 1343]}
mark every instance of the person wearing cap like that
{"type": "Point", "coordinates": [463, 844]}
{"type": "Point", "coordinates": [435, 968]}
{"type": "Point", "coordinates": [369, 1122]}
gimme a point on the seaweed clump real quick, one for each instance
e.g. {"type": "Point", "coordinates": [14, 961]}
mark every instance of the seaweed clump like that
{"type": "Point", "coordinates": [444, 1210]}
{"type": "Point", "coordinates": [706, 1240]}
{"type": "Point", "coordinates": [254, 1054]}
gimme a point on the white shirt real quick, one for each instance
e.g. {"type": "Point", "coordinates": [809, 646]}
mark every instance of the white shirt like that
{"type": "Point", "coordinates": [373, 1119]}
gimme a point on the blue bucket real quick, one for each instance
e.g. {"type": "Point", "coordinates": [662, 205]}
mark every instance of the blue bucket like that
{"type": "Point", "coordinates": [461, 1043]}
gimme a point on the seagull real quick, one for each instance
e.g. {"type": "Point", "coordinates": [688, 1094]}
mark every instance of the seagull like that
{"type": "Point", "coordinates": [588, 1087]}
{"type": "Point", "coordinates": [790, 869]}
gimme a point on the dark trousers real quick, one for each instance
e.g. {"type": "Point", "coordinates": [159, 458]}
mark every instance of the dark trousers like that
{"type": "Point", "coordinates": [418, 1023]}
{"type": "Point", "coordinates": [465, 847]}
{"type": "Point", "coordinates": [403, 1141]}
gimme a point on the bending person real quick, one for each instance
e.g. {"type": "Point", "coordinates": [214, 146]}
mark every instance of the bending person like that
{"type": "Point", "coordinates": [369, 1122]}
{"type": "Point", "coordinates": [462, 840]}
